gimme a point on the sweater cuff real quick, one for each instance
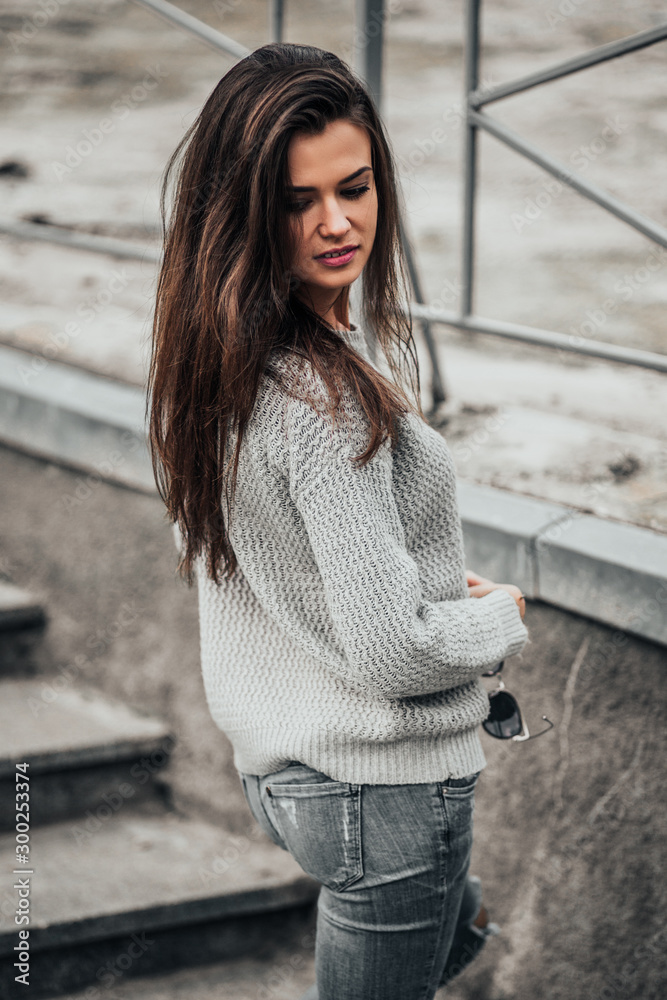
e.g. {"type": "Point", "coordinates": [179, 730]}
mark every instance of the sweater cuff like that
{"type": "Point", "coordinates": [507, 612]}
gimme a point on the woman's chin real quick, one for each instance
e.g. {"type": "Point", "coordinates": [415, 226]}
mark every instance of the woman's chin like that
{"type": "Point", "coordinates": [336, 278]}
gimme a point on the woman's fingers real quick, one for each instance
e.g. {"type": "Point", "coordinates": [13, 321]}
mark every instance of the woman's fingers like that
{"type": "Point", "coordinates": [482, 589]}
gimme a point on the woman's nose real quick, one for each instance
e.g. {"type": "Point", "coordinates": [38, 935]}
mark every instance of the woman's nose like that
{"type": "Point", "coordinates": [334, 220]}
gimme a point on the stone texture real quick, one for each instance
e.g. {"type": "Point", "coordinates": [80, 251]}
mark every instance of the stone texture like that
{"type": "Point", "coordinates": [616, 573]}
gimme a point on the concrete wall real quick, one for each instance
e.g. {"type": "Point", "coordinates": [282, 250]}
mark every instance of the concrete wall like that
{"type": "Point", "coordinates": [569, 828]}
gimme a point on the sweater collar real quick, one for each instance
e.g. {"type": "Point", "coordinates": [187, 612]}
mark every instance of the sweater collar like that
{"type": "Point", "coordinates": [354, 337]}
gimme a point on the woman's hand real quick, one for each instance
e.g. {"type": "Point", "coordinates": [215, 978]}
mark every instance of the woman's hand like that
{"type": "Point", "coordinates": [479, 586]}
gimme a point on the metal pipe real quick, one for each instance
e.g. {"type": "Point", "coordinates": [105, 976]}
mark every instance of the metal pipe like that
{"type": "Point", "coordinates": [593, 58]}
{"type": "Point", "coordinates": [641, 223]}
{"type": "Point", "coordinates": [543, 338]}
{"type": "Point", "coordinates": [368, 45]}
{"type": "Point", "coordinates": [79, 241]}
{"type": "Point", "coordinates": [476, 324]}
{"type": "Point", "coordinates": [470, 158]}
{"type": "Point", "coordinates": [186, 22]}
{"type": "Point", "coordinates": [276, 20]}
{"type": "Point", "coordinates": [437, 388]}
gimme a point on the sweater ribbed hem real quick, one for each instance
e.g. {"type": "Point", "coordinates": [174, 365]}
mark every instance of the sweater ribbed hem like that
{"type": "Point", "coordinates": [506, 610]}
{"type": "Point", "coordinates": [415, 761]}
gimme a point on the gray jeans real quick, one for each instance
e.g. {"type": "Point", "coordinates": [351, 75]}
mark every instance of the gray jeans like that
{"type": "Point", "coordinates": [396, 899]}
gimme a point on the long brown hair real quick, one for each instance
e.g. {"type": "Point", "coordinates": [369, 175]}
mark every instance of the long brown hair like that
{"type": "Point", "coordinates": [226, 296]}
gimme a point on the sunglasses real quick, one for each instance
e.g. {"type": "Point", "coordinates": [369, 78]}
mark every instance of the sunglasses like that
{"type": "Point", "coordinates": [504, 720]}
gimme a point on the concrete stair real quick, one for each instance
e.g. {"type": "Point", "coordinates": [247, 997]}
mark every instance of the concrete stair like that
{"type": "Point", "coordinates": [18, 608]}
{"type": "Point", "coordinates": [80, 748]}
{"type": "Point", "coordinates": [22, 623]}
{"type": "Point", "coordinates": [145, 890]}
{"type": "Point", "coordinates": [280, 971]}
{"type": "Point", "coordinates": [121, 885]}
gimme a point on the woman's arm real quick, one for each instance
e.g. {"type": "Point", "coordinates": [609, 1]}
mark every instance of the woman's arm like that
{"type": "Point", "coordinates": [396, 641]}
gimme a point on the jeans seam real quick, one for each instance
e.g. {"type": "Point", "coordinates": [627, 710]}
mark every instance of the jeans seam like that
{"type": "Point", "coordinates": [356, 793]}
{"type": "Point", "coordinates": [443, 850]}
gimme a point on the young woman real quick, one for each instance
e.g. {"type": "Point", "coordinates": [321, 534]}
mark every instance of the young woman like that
{"type": "Point", "coordinates": [342, 642]}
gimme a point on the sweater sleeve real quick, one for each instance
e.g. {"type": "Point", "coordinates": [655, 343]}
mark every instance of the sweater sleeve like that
{"type": "Point", "coordinates": [396, 641]}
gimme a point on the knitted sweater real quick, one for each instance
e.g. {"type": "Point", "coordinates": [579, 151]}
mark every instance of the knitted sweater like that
{"type": "Point", "coordinates": [346, 639]}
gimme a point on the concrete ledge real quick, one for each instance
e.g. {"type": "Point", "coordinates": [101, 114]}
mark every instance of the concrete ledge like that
{"type": "Point", "coordinates": [19, 609]}
{"type": "Point", "coordinates": [500, 530]}
{"type": "Point", "coordinates": [612, 572]}
{"type": "Point", "coordinates": [74, 417]}
{"type": "Point", "coordinates": [615, 573]}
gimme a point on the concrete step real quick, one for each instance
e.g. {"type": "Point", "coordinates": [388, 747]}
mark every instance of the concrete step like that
{"type": "Point", "coordinates": [83, 749]}
{"type": "Point", "coordinates": [275, 971]}
{"type": "Point", "coordinates": [19, 608]}
{"type": "Point", "coordinates": [145, 891]}
{"type": "Point", "coordinates": [22, 624]}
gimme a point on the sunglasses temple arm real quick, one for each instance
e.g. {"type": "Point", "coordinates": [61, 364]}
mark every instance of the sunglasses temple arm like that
{"type": "Point", "coordinates": [527, 736]}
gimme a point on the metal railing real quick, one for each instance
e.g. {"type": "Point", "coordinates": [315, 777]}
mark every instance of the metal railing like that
{"type": "Point", "coordinates": [368, 50]}
{"type": "Point", "coordinates": [476, 120]}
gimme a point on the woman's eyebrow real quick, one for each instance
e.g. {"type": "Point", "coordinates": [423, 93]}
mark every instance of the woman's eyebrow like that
{"type": "Point", "coordinates": [356, 173]}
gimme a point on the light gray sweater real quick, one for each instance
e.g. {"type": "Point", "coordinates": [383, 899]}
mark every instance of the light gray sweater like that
{"type": "Point", "coordinates": [346, 639]}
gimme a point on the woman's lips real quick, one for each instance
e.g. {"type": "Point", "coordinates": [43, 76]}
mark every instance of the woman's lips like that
{"type": "Point", "coordinates": [338, 261]}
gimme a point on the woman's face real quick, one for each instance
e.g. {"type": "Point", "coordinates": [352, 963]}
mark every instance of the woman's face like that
{"type": "Point", "coordinates": [332, 194]}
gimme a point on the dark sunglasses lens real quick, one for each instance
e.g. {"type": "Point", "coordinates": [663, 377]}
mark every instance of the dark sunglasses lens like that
{"type": "Point", "coordinates": [494, 670]}
{"type": "Point", "coordinates": [504, 718]}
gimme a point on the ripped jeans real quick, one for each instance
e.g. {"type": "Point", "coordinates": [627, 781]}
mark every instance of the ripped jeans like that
{"type": "Point", "coordinates": [396, 901]}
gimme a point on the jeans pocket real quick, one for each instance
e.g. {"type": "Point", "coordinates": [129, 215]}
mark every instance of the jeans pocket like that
{"type": "Point", "coordinates": [251, 790]}
{"type": "Point", "coordinates": [320, 824]}
{"type": "Point", "coordinates": [460, 787]}
{"type": "Point", "coordinates": [458, 801]}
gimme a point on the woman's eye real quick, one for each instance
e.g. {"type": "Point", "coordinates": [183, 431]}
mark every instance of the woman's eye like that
{"type": "Point", "coordinates": [352, 193]}
{"type": "Point", "coordinates": [356, 192]}
{"type": "Point", "coordinates": [296, 206]}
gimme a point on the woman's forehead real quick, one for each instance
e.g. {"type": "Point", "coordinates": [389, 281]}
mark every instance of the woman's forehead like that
{"type": "Point", "coordinates": [330, 157]}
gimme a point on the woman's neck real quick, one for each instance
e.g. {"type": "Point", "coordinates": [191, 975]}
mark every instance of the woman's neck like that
{"type": "Point", "coordinates": [335, 313]}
